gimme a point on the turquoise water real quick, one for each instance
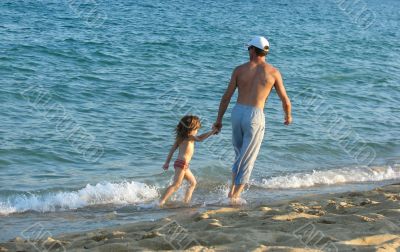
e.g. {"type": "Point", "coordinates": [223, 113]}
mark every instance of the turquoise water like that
{"type": "Point", "coordinates": [90, 95]}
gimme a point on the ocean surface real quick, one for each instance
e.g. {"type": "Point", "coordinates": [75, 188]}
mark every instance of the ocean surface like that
{"type": "Point", "coordinates": [90, 93]}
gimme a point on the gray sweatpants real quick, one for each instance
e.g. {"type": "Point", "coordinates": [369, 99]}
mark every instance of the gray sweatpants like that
{"type": "Point", "coordinates": [248, 124]}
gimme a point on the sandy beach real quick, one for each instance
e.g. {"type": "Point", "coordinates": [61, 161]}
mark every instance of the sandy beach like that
{"type": "Point", "coordinates": [353, 221]}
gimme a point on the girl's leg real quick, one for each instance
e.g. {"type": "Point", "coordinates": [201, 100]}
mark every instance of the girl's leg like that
{"type": "Point", "coordinates": [179, 175]}
{"type": "Point", "coordinates": [192, 180]}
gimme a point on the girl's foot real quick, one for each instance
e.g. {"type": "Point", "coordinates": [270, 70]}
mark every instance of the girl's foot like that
{"type": "Point", "coordinates": [161, 204]}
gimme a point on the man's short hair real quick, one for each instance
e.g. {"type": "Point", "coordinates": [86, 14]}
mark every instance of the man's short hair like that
{"type": "Point", "coordinates": [260, 52]}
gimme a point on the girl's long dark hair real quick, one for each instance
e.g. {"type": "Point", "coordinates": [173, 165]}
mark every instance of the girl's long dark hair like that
{"type": "Point", "coordinates": [186, 125]}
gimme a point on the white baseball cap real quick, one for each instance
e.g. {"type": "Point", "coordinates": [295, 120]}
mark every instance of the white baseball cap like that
{"type": "Point", "coordinates": [259, 42]}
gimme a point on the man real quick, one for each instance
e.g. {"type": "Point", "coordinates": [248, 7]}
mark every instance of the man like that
{"type": "Point", "coordinates": [254, 80]}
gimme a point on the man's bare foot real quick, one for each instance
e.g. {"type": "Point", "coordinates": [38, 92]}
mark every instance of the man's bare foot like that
{"type": "Point", "coordinates": [233, 201]}
{"type": "Point", "coordinates": [236, 201]}
{"type": "Point", "coordinates": [230, 194]}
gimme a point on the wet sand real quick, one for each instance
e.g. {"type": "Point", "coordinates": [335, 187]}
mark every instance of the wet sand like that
{"type": "Point", "coordinates": [353, 221]}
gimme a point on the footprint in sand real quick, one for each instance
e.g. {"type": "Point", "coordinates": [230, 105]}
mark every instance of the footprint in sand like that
{"type": "Point", "coordinates": [201, 216]}
{"type": "Point", "coordinates": [326, 221]}
{"type": "Point", "coordinates": [312, 210]}
{"type": "Point", "coordinates": [214, 223]}
{"type": "Point", "coordinates": [392, 196]}
{"type": "Point", "coordinates": [151, 234]}
{"type": "Point", "coordinates": [344, 204]}
{"type": "Point", "coordinates": [365, 218]}
{"type": "Point", "coordinates": [52, 244]}
{"type": "Point", "coordinates": [100, 237]}
{"type": "Point", "coordinates": [243, 214]}
{"type": "Point", "coordinates": [292, 216]}
{"type": "Point", "coordinates": [376, 240]}
{"type": "Point", "coordinates": [265, 209]}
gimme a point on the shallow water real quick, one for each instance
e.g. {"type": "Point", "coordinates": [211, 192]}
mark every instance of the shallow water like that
{"type": "Point", "coordinates": [87, 108]}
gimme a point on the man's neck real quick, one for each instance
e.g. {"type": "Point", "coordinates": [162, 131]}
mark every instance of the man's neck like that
{"type": "Point", "coordinates": [257, 59]}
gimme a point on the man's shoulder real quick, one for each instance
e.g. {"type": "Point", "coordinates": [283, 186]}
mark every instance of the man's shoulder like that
{"type": "Point", "coordinates": [239, 69]}
{"type": "Point", "coordinates": [271, 69]}
{"type": "Point", "coordinates": [242, 66]}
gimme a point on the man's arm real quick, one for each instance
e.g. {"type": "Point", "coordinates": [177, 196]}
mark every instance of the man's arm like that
{"type": "Point", "coordinates": [170, 154]}
{"type": "Point", "coordinates": [226, 98]}
{"type": "Point", "coordinates": [280, 89]}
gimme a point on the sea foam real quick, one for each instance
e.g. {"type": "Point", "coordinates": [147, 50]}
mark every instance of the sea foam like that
{"type": "Point", "coordinates": [101, 193]}
{"type": "Point", "coordinates": [331, 177]}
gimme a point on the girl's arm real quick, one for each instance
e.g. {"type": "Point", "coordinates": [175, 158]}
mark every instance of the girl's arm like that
{"type": "Point", "coordinates": [170, 154]}
{"type": "Point", "coordinates": [204, 136]}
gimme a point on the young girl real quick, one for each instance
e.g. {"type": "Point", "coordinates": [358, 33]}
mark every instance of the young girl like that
{"type": "Point", "coordinates": [186, 135]}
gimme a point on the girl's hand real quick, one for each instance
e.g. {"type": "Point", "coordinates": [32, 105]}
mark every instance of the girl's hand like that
{"type": "Point", "coordinates": [288, 120]}
{"type": "Point", "coordinates": [165, 166]}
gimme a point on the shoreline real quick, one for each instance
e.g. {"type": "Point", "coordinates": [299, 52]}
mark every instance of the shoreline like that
{"type": "Point", "coordinates": [351, 221]}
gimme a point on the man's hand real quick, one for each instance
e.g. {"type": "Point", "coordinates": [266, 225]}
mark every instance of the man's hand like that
{"type": "Point", "coordinates": [288, 120]}
{"type": "Point", "coordinates": [217, 126]}
{"type": "Point", "coordinates": [165, 166]}
{"type": "Point", "coordinates": [286, 105]}
{"type": "Point", "coordinates": [214, 131]}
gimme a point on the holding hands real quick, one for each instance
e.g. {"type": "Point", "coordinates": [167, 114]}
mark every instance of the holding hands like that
{"type": "Point", "coordinates": [217, 126]}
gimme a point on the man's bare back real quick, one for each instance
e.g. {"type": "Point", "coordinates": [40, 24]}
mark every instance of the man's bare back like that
{"type": "Point", "coordinates": [255, 82]}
